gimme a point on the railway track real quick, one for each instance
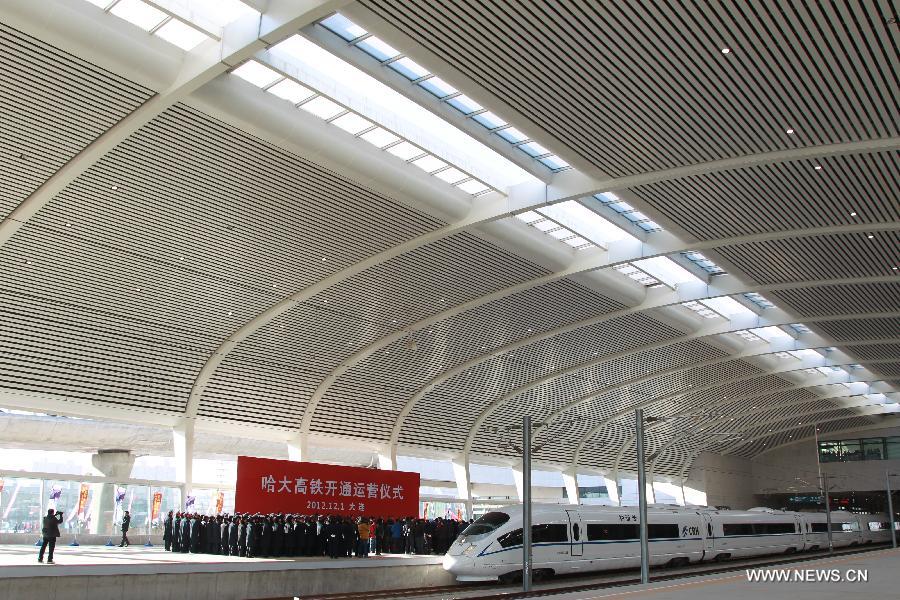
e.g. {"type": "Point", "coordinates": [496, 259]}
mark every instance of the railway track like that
{"type": "Point", "coordinates": [580, 583]}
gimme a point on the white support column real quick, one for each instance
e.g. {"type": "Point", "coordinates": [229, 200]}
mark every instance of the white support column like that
{"type": "Point", "coordinates": [298, 448]}
{"type": "Point", "coordinates": [183, 445]}
{"type": "Point", "coordinates": [519, 481]}
{"type": "Point", "coordinates": [612, 488]}
{"type": "Point", "coordinates": [463, 489]}
{"type": "Point", "coordinates": [570, 481]}
{"type": "Point", "coordinates": [387, 458]}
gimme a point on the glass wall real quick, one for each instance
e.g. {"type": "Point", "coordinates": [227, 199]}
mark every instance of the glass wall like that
{"type": "Point", "coordinates": [860, 449]}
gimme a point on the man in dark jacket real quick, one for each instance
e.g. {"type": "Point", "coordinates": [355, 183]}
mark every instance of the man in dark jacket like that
{"type": "Point", "coordinates": [185, 544]}
{"type": "Point", "coordinates": [176, 533]}
{"type": "Point", "coordinates": [196, 534]}
{"type": "Point", "coordinates": [242, 535]}
{"type": "Point", "coordinates": [167, 531]}
{"type": "Point", "coordinates": [126, 523]}
{"type": "Point", "coordinates": [233, 535]}
{"type": "Point", "coordinates": [49, 531]}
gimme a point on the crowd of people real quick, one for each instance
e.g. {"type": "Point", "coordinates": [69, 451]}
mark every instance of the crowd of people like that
{"type": "Point", "coordinates": [286, 535]}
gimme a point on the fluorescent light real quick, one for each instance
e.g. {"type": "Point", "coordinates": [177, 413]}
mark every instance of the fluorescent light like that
{"type": "Point", "coordinates": [726, 50]}
{"type": "Point", "coordinates": [529, 216]}
{"type": "Point", "coordinates": [322, 107]}
{"type": "Point", "coordinates": [139, 13]}
{"type": "Point", "coordinates": [257, 73]}
{"type": "Point", "coordinates": [379, 137]}
{"type": "Point", "coordinates": [184, 36]}
{"type": "Point", "coordinates": [291, 91]}
{"type": "Point", "coordinates": [352, 123]}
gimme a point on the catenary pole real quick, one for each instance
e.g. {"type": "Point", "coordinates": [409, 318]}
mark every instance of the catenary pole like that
{"type": "Point", "coordinates": [827, 511]}
{"type": "Point", "coordinates": [642, 496]}
{"type": "Point", "coordinates": [526, 506]}
{"type": "Point", "coordinates": [887, 482]}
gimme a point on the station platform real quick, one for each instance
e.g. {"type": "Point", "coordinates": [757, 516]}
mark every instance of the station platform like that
{"type": "Point", "coordinates": [138, 573]}
{"type": "Point", "coordinates": [829, 578]}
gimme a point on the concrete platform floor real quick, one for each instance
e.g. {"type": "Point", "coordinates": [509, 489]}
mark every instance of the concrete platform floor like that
{"type": "Point", "coordinates": [882, 567]}
{"type": "Point", "coordinates": [21, 561]}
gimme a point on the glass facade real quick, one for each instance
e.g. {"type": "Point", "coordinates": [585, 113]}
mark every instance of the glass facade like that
{"type": "Point", "coordinates": [860, 449]}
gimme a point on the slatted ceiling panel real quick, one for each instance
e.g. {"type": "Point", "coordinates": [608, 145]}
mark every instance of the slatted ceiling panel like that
{"type": "Point", "coordinates": [257, 394]}
{"type": "Point", "coordinates": [840, 299]}
{"type": "Point", "coordinates": [59, 348]}
{"type": "Point", "coordinates": [817, 258]}
{"type": "Point", "coordinates": [70, 266]}
{"type": "Point", "coordinates": [862, 329]}
{"type": "Point", "coordinates": [782, 196]}
{"type": "Point", "coordinates": [53, 104]}
{"type": "Point", "coordinates": [441, 417]}
{"type": "Point", "coordinates": [824, 69]}
{"type": "Point", "coordinates": [204, 196]}
{"type": "Point", "coordinates": [886, 370]}
{"type": "Point", "coordinates": [429, 279]}
{"type": "Point", "coordinates": [696, 377]}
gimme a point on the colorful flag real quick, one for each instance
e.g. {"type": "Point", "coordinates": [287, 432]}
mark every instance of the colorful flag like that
{"type": "Point", "coordinates": [157, 502]}
{"type": "Point", "coordinates": [189, 502]}
{"type": "Point", "coordinates": [220, 501]}
{"type": "Point", "coordinates": [82, 498]}
{"type": "Point", "coordinates": [120, 495]}
{"type": "Point", "coordinates": [55, 492]}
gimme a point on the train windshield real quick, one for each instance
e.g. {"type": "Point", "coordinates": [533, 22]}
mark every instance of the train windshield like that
{"type": "Point", "coordinates": [485, 524]}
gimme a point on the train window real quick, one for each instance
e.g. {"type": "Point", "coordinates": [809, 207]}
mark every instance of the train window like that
{"type": "Point", "coordinates": [773, 528]}
{"type": "Point", "coordinates": [709, 529]}
{"type": "Point", "coordinates": [878, 526]}
{"type": "Point", "coordinates": [819, 527]}
{"type": "Point", "coordinates": [576, 532]}
{"type": "Point", "coordinates": [737, 528]}
{"type": "Point", "coordinates": [845, 527]}
{"type": "Point", "coordinates": [513, 538]}
{"type": "Point", "coordinates": [612, 531]}
{"type": "Point", "coordinates": [657, 531]}
{"type": "Point", "coordinates": [487, 523]}
{"type": "Point", "coordinates": [549, 533]}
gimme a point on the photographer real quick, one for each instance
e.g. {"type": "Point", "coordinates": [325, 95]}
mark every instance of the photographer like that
{"type": "Point", "coordinates": [126, 522]}
{"type": "Point", "coordinates": [50, 531]}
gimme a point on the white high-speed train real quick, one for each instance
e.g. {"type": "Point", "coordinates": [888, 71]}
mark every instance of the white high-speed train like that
{"type": "Point", "coordinates": [575, 539]}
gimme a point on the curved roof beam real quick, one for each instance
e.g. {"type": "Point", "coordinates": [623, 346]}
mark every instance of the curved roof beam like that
{"type": "Point", "coordinates": [713, 329]}
{"type": "Point", "coordinates": [805, 364]}
{"type": "Point", "coordinates": [240, 40]}
{"type": "Point", "coordinates": [724, 285]}
{"type": "Point", "coordinates": [618, 253]}
{"type": "Point", "coordinates": [861, 403]}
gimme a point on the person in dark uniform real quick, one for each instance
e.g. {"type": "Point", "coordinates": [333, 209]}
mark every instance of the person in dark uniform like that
{"type": "Point", "coordinates": [350, 536]}
{"type": "Point", "coordinates": [185, 544]}
{"type": "Point", "coordinates": [332, 538]}
{"type": "Point", "coordinates": [176, 533]}
{"type": "Point", "coordinates": [277, 536]}
{"type": "Point", "coordinates": [224, 528]}
{"type": "Point", "coordinates": [49, 532]}
{"type": "Point", "coordinates": [126, 523]}
{"type": "Point", "coordinates": [253, 535]}
{"type": "Point", "coordinates": [242, 535]}
{"type": "Point", "coordinates": [213, 536]}
{"type": "Point", "coordinates": [233, 535]}
{"type": "Point", "coordinates": [419, 536]}
{"type": "Point", "coordinates": [167, 531]}
{"type": "Point", "coordinates": [196, 528]}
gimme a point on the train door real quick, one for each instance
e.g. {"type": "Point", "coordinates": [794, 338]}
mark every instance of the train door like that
{"type": "Point", "coordinates": [576, 533]}
{"type": "Point", "coordinates": [708, 534]}
{"type": "Point", "coordinates": [800, 544]}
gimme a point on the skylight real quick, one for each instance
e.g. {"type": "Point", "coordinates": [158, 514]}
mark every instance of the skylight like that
{"type": "Point", "coordinates": [330, 76]}
{"type": "Point", "coordinates": [758, 299]}
{"type": "Point", "coordinates": [666, 270]}
{"type": "Point", "coordinates": [727, 306]}
{"type": "Point", "coordinates": [703, 262]}
{"type": "Point", "coordinates": [771, 333]}
{"type": "Point", "coordinates": [278, 84]}
{"type": "Point", "coordinates": [638, 275]}
{"type": "Point", "coordinates": [418, 75]}
{"type": "Point", "coordinates": [585, 222]}
{"type": "Point", "coordinates": [747, 335]}
{"type": "Point", "coordinates": [800, 328]}
{"type": "Point", "coordinates": [628, 211]}
{"type": "Point", "coordinates": [701, 310]}
{"type": "Point", "coordinates": [155, 21]}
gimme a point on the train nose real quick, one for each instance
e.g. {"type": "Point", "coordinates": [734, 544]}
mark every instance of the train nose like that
{"type": "Point", "coordinates": [452, 563]}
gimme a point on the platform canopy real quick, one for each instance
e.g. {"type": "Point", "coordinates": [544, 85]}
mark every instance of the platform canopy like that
{"type": "Point", "coordinates": [406, 224]}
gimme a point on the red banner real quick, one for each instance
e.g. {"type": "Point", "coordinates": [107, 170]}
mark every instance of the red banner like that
{"type": "Point", "coordinates": [82, 498]}
{"type": "Point", "coordinates": [157, 502]}
{"type": "Point", "coordinates": [266, 485]}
